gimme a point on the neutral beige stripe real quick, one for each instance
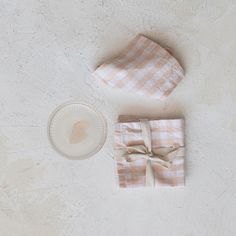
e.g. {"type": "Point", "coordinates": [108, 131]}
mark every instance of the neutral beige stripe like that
{"type": "Point", "coordinates": [122, 55]}
{"type": "Point", "coordinates": [157, 143]}
{"type": "Point", "coordinates": [138, 49]}
{"type": "Point", "coordinates": [160, 83]}
{"type": "Point", "coordinates": [135, 60]}
{"type": "Point", "coordinates": [167, 77]}
{"type": "Point", "coordinates": [166, 93]}
{"type": "Point", "coordinates": [158, 66]}
{"type": "Point", "coordinates": [131, 46]}
{"type": "Point", "coordinates": [138, 66]}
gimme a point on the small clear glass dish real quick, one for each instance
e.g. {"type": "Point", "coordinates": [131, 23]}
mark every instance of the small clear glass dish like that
{"type": "Point", "coordinates": [77, 130]}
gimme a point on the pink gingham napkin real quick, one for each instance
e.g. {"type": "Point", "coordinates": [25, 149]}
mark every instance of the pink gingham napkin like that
{"type": "Point", "coordinates": [144, 68]}
{"type": "Point", "coordinates": [164, 136]}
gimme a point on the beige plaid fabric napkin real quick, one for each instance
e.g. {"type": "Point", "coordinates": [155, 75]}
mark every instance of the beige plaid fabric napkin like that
{"type": "Point", "coordinates": [160, 164]}
{"type": "Point", "coordinates": [144, 68]}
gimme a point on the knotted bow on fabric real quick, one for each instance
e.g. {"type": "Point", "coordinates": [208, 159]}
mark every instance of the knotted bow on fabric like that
{"type": "Point", "coordinates": [145, 152]}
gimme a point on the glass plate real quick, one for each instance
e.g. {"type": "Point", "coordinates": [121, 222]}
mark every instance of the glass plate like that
{"type": "Point", "coordinates": [77, 130]}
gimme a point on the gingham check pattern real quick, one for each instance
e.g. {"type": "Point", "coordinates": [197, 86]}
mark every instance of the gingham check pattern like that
{"type": "Point", "coordinates": [165, 133]}
{"type": "Point", "coordinates": [144, 68]}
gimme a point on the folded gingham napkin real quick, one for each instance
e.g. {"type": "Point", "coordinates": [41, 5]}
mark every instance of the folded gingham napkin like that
{"type": "Point", "coordinates": [149, 152]}
{"type": "Point", "coordinates": [144, 68]}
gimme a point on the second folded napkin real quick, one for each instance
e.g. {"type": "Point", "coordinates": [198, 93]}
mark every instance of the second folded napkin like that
{"type": "Point", "coordinates": [144, 68]}
{"type": "Point", "coordinates": [150, 152]}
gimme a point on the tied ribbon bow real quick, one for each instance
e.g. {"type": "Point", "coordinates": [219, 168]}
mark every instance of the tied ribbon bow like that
{"type": "Point", "coordinates": [145, 152]}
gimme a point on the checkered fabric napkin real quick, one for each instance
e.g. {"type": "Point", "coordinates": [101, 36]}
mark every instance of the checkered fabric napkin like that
{"type": "Point", "coordinates": [144, 68]}
{"type": "Point", "coordinates": [164, 134]}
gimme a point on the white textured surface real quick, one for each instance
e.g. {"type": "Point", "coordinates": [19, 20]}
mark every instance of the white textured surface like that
{"type": "Point", "coordinates": [48, 48]}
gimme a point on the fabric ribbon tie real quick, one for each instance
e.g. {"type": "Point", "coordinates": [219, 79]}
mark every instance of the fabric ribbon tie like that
{"type": "Point", "coordinates": [145, 152]}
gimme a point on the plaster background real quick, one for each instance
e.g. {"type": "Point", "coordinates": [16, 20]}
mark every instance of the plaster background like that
{"type": "Point", "coordinates": [48, 49]}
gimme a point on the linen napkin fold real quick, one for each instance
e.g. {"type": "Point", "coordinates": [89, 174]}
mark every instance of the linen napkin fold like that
{"type": "Point", "coordinates": [149, 152]}
{"type": "Point", "coordinates": [144, 68]}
